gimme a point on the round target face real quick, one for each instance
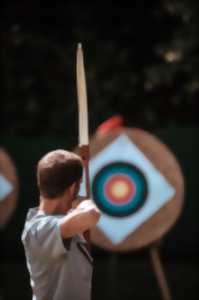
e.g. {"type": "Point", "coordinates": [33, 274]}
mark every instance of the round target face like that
{"type": "Point", "coordinates": [119, 189]}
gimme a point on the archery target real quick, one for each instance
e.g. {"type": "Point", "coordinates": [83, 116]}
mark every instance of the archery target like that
{"type": "Point", "coordinates": [150, 189]}
{"type": "Point", "coordinates": [137, 184]}
{"type": "Point", "coordinates": [8, 187]}
{"type": "Point", "coordinates": [5, 188]}
{"type": "Point", "coordinates": [119, 189]}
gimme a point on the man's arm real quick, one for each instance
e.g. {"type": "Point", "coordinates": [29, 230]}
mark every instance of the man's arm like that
{"type": "Point", "coordinates": [82, 218]}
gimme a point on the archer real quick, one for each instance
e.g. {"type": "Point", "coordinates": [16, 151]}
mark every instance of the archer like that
{"type": "Point", "coordinates": [58, 261]}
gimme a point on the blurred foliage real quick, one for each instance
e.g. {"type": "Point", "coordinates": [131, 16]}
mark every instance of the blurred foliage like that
{"type": "Point", "coordinates": [141, 62]}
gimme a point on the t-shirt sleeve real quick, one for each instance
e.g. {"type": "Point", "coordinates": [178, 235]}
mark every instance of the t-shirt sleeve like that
{"type": "Point", "coordinates": [48, 238]}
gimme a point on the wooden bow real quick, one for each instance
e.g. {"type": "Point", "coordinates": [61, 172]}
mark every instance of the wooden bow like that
{"type": "Point", "coordinates": [83, 120]}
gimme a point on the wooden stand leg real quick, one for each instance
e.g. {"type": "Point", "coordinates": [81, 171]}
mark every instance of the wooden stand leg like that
{"type": "Point", "coordinates": [158, 269]}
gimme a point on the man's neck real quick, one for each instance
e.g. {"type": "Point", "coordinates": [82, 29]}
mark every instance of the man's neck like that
{"type": "Point", "coordinates": [54, 206]}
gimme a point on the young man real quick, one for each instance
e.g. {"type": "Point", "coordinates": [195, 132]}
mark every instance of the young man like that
{"type": "Point", "coordinates": [58, 261]}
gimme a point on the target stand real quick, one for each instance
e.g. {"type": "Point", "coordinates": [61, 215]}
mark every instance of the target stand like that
{"type": "Point", "coordinates": [138, 185]}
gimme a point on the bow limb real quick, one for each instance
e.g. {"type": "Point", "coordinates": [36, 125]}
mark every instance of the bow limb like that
{"type": "Point", "coordinates": [83, 114]}
{"type": "Point", "coordinates": [83, 120]}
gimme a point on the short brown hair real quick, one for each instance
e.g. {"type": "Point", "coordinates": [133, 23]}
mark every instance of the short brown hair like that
{"type": "Point", "coordinates": [56, 171]}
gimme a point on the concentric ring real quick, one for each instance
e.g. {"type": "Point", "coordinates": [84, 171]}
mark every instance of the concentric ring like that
{"type": "Point", "coordinates": [119, 189]}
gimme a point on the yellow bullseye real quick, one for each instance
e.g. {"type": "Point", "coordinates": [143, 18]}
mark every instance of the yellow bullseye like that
{"type": "Point", "coordinates": [119, 189]}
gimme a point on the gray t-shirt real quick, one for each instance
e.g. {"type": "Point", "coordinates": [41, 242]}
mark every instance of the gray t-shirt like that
{"type": "Point", "coordinates": [59, 269]}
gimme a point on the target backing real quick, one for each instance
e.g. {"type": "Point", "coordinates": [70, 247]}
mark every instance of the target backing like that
{"type": "Point", "coordinates": [137, 184]}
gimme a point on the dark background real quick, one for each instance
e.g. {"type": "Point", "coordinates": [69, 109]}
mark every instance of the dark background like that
{"type": "Point", "coordinates": [141, 62]}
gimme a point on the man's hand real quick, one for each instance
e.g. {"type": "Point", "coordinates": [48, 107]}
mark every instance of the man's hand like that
{"type": "Point", "coordinates": [87, 203]}
{"type": "Point", "coordinates": [77, 201]}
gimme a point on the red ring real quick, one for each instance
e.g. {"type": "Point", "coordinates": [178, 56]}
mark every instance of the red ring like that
{"type": "Point", "coordinates": [127, 195]}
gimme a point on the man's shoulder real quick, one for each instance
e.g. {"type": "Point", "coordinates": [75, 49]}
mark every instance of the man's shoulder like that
{"type": "Point", "coordinates": [37, 221]}
{"type": "Point", "coordinates": [34, 215]}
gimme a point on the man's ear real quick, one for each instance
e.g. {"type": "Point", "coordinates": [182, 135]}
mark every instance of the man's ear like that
{"type": "Point", "coordinates": [72, 188]}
